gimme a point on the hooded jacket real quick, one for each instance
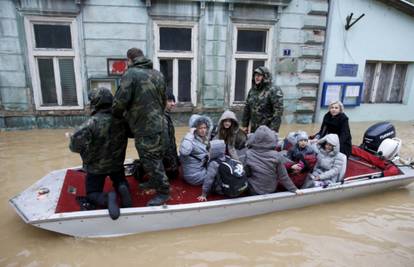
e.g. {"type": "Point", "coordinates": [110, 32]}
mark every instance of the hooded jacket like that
{"type": "Point", "coordinates": [102, 139]}
{"type": "Point", "coordinates": [141, 98]}
{"type": "Point", "coordinates": [264, 103]}
{"type": "Point", "coordinates": [194, 152]}
{"type": "Point", "coordinates": [235, 138]}
{"type": "Point", "coordinates": [330, 166]}
{"type": "Point", "coordinates": [265, 163]}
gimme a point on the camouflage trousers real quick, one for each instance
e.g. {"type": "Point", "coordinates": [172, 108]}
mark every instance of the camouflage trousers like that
{"type": "Point", "coordinates": [150, 150]}
{"type": "Point", "coordinates": [275, 126]}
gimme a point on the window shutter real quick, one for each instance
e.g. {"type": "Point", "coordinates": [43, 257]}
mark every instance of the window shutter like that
{"type": "Point", "coordinates": [397, 88]}
{"type": "Point", "coordinates": [68, 82]}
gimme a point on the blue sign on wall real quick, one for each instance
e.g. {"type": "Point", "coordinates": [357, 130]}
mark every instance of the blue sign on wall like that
{"type": "Point", "coordinates": [346, 70]}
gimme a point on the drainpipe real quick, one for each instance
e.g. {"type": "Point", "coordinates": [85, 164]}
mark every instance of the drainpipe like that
{"type": "Point", "coordinates": [323, 62]}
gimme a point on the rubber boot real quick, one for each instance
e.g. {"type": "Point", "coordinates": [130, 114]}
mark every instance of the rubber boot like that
{"type": "Point", "coordinates": [113, 207]}
{"type": "Point", "coordinates": [158, 200]}
{"type": "Point", "coordinates": [125, 195]}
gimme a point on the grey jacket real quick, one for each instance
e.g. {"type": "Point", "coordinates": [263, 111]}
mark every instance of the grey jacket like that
{"type": "Point", "coordinates": [264, 163]}
{"type": "Point", "coordinates": [194, 153]}
{"type": "Point", "coordinates": [330, 167]}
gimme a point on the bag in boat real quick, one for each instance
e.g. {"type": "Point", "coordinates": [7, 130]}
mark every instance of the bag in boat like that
{"type": "Point", "coordinates": [231, 177]}
{"type": "Point", "coordinates": [376, 134]}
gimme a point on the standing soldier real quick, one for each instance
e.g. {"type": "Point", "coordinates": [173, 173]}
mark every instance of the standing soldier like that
{"type": "Point", "coordinates": [264, 103]}
{"type": "Point", "coordinates": [141, 100]}
{"type": "Point", "coordinates": [101, 142]}
{"type": "Point", "coordinates": [170, 161]}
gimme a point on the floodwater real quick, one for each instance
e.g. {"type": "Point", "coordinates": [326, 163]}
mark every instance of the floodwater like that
{"type": "Point", "coordinates": [375, 230]}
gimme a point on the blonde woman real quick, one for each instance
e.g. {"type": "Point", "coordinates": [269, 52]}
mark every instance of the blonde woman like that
{"type": "Point", "coordinates": [336, 122]}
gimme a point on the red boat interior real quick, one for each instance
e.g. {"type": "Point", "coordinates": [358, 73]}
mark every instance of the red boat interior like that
{"type": "Point", "coordinates": [182, 192]}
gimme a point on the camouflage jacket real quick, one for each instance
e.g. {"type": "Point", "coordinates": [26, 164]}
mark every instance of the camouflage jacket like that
{"type": "Point", "coordinates": [171, 157]}
{"type": "Point", "coordinates": [141, 98]}
{"type": "Point", "coordinates": [101, 142]}
{"type": "Point", "coordinates": [264, 106]}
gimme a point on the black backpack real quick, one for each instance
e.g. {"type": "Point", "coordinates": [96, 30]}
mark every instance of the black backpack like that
{"type": "Point", "coordinates": [231, 177]}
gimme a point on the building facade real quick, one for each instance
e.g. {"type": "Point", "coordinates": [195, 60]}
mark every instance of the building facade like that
{"type": "Point", "coordinates": [376, 52]}
{"type": "Point", "coordinates": [53, 52]}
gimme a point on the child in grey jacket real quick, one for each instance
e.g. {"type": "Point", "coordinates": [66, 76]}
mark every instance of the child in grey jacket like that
{"type": "Point", "coordinates": [331, 164]}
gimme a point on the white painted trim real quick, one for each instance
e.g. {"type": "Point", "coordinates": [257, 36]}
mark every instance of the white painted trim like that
{"type": "Point", "coordinates": [34, 52]}
{"type": "Point", "coordinates": [58, 85]}
{"type": "Point", "coordinates": [249, 56]}
{"type": "Point", "coordinates": [48, 53]}
{"type": "Point", "coordinates": [178, 55]}
{"type": "Point", "coordinates": [175, 71]}
{"type": "Point", "coordinates": [249, 73]}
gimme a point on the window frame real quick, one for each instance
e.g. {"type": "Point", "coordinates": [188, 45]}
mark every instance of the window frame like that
{"type": "Point", "coordinates": [54, 53]}
{"type": "Point", "coordinates": [249, 56]}
{"type": "Point", "coordinates": [375, 81]}
{"type": "Point", "coordinates": [176, 56]}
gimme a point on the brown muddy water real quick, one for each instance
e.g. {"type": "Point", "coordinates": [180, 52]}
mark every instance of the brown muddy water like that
{"type": "Point", "coordinates": [375, 230]}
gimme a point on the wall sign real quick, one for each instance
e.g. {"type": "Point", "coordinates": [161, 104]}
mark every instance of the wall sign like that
{"type": "Point", "coordinates": [116, 66]}
{"type": "Point", "coordinates": [287, 52]}
{"type": "Point", "coordinates": [349, 93]}
{"type": "Point", "coordinates": [108, 83]}
{"type": "Point", "coordinates": [346, 70]}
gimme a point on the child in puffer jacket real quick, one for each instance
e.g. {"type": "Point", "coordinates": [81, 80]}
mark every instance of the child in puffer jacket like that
{"type": "Point", "coordinates": [302, 156]}
{"type": "Point", "coordinates": [331, 164]}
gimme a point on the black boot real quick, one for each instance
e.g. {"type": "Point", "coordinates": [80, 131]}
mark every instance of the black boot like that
{"type": "Point", "coordinates": [125, 195]}
{"type": "Point", "coordinates": [158, 200]}
{"type": "Point", "coordinates": [113, 207]}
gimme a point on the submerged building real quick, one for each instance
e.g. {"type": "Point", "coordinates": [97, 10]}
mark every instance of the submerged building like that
{"type": "Point", "coordinates": [53, 51]}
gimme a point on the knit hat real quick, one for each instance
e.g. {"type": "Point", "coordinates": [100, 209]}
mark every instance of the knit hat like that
{"type": "Point", "coordinates": [301, 135]}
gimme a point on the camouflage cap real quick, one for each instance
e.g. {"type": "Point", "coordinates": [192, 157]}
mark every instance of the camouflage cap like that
{"type": "Point", "coordinates": [265, 72]}
{"type": "Point", "coordinates": [100, 97]}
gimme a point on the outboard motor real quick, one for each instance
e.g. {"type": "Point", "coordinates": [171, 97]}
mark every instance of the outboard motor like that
{"type": "Point", "coordinates": [375, 134]}
{"type": "Point", "coordinates": [389, 148]}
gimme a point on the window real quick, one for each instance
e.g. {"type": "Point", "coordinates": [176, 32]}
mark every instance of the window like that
{"type": "Point", "coordinates": [384, 82]}
{"type": "Point", "coordinates": [251, 50]}
{"type": "Point", "coordinates": [175, 56]}
{"type": "Point", "coordinates": [54, 66]}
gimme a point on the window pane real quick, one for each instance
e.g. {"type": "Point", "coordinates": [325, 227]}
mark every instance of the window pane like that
{"type": "Point", "coordinates": [383, 83]}
{"type": "Point", "coordinates": [397, 88]}
{"type": "Point", "coordinates": [251, 41]}
{"type": "Point", "coordinates": [67, 82]}
{"type": "Point", "coordinates": [176, 39]}
{"type": "Point", "coordinates": [47, 81]}
{"type": "Point", "coordinates": [258, 63]}
{"type": "Point", "coordinates": [184, 80]}
{"type": "Point", "coordinates": [369, 76]}
{"type": "Point", "coordinates": [52, 36]}
{"type": "Point", "coordinates": [166, 68]}
{"type": "Point", "coordinates": [240, 86]}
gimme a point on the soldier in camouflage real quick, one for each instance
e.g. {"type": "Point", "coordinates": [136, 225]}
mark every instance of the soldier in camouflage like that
{"type": "Point", "coordinates": [264, 103]}
{"type": "Point", "coordinates": [101, 142]}
{"type": "Point", "coordinates": [141, 100]}
{"type": "Point", "coordinates": [171, 160]}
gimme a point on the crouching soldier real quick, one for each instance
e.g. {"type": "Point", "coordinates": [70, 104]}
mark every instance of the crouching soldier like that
{"type": "Point", "coordinates": [101, 142]}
